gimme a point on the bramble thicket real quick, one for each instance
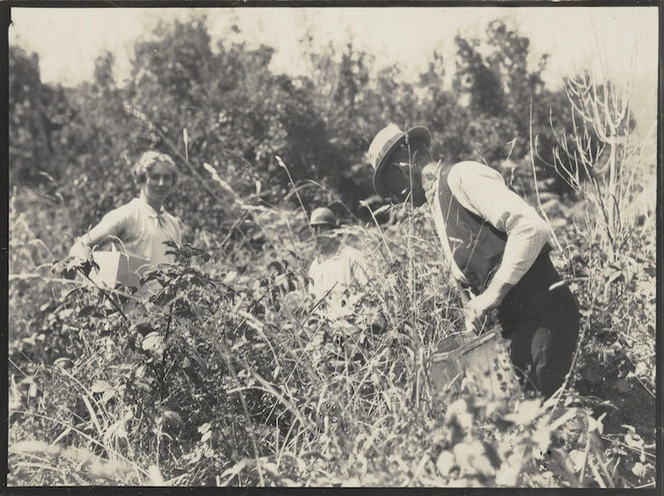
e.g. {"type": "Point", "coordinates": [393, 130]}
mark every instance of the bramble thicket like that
{"type": "Point", "coordinates": [232, 374]}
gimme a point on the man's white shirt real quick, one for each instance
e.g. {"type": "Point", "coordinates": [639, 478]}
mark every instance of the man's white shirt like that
{"type": "Point", "coordinates": [482, 191]}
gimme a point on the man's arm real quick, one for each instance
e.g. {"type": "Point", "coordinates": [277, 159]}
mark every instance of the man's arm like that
{"type": "Point", "coordinates": [482, 190]}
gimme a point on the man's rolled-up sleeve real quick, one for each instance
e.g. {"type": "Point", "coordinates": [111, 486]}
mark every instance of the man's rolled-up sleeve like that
{"type": "Point", "coordinates": [482, 190]}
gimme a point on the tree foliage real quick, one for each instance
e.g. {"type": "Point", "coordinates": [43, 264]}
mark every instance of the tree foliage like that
{"type": "Point", "coordinates": [236, 115]}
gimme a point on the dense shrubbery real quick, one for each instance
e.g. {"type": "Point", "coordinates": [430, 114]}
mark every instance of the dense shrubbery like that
{"type": "Point", "coordinates": [232, 374]}
{"type": "Point", "coordinates": [239, 378]}
{"type": "Point", "coordinates": [226, 108]}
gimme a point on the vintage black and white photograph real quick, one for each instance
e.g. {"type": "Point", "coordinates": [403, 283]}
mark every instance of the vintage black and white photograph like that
{"type": "Point", "coordinates": [352, 246]}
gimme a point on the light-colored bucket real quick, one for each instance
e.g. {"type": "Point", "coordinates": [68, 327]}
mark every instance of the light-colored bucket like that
{"type": "Point", "coordinates": [483, 360]}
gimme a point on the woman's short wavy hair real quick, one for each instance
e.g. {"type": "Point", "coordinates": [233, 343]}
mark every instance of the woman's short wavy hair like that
{"type": "Point", "coordinates": [148, 160]}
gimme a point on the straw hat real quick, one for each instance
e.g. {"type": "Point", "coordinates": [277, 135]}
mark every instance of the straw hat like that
{"type": "Point", "coordinates": [384, 144]}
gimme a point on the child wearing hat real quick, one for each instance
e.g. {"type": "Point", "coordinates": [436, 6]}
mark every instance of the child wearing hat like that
{"type": "Point", "coordinates": [336, 266]}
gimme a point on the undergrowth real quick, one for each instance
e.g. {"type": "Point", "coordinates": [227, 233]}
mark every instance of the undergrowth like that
{"type": "Point", "coordinates": [231, 374]}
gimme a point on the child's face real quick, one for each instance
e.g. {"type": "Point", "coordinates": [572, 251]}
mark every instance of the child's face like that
{"type": "Point", "coordinates": [324, 236]}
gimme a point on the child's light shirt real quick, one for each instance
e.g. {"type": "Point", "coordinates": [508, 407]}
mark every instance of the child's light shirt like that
{"type": "Point", "coordinates": [338, 272]}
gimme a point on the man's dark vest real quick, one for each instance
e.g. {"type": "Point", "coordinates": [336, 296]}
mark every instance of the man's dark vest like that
{"type": "Point", "coordinates": [477, 246]}
{"type": "Point", "coordinates": [537, 301]}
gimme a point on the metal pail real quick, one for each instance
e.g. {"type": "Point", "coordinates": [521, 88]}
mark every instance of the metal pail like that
{"type": "Point", "coordinates": [483, 360]}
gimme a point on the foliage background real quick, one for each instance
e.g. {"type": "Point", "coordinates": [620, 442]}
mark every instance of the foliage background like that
{"type": "Point", "coordinates": [187, 381]}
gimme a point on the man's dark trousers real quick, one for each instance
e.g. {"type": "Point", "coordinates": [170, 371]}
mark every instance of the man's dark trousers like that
{"type": "Point", "coordinates": [540, 319]}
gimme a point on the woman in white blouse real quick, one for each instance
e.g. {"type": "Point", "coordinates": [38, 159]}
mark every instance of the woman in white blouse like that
{"type": "Point", "coordinates": [142, 225]}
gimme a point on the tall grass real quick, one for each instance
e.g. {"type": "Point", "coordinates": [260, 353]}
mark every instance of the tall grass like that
{"type": "Point", "coordinates": [250, 381]}
{"type": "Point", "coordinates": [234, 375]}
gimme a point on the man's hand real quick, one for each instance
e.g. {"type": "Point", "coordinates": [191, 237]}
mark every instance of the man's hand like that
{"type": "Point", "coordinates": [477, 309]}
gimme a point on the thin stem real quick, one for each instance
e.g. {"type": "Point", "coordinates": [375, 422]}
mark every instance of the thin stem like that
{"type": "Point", "coordinates": [290, 178]}
{"type": "Point", "coordinates": [411, 286]}
{"type": "Point", "coordinates": [117, 307]}
{"type": "Point", "coordinates": [539, 200]}
{"type": "Point", "coordinates": [151, 125]}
